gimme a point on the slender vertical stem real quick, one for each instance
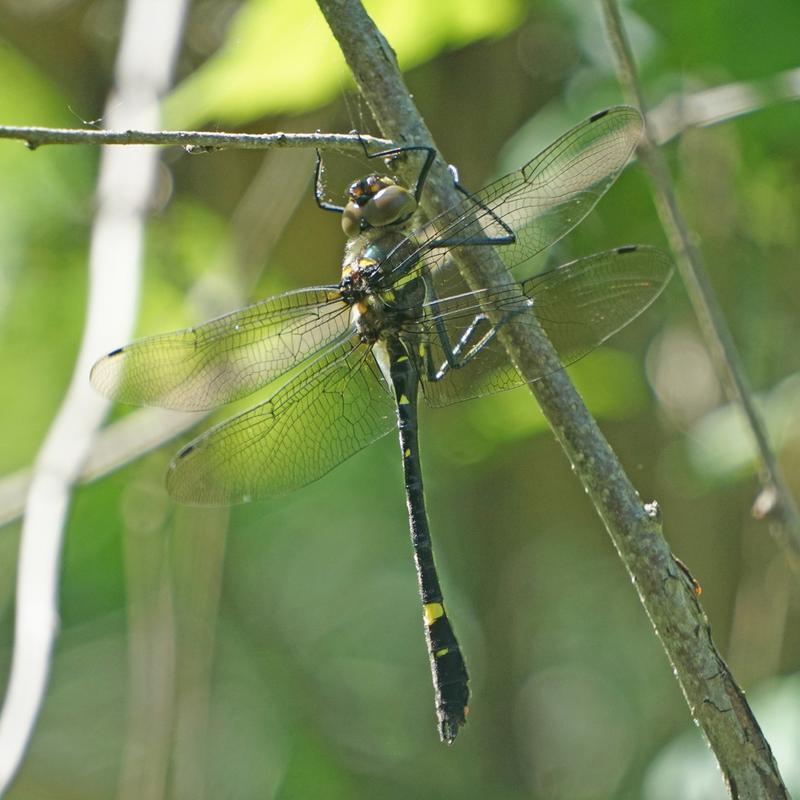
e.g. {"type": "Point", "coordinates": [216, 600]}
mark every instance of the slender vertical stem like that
{"type": "Point", "coordinates": [198, 553]}
{"type": "Point", "coordinates": [145, 767]}
{"type": "Point", "coordinates": [149, 42]}
{"type": "Point", "coordinates": [781, 507]}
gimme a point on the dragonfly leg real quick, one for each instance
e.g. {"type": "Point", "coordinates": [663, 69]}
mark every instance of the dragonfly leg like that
{"type": "Point", "coordinates": [453, 353]}
{"type": "Point", "coordinates": [393, 152]}
{"type": "Point", "coordinates": [430, 155]}
{"type": "Point", "coordinates": [319, 188]}
{"type": "Point", "coordinates": [465, 349]}
{"type": "Point", "coordinates": [509, 238]}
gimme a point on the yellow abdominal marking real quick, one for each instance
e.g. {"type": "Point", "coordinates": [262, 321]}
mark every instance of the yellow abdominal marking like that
{"type": "Point", "coordinates": [443, 652]}
{"type": "Point", "coordinates": [401, 359]}
{"type": "Point", "coordinates": [432, 612]}
{"type": "Point", "coordinates": [407, 452]}
{"type": "Point", "coordinates": [422, 350]}
{"type": "Point", "coordinates": [404, 401]}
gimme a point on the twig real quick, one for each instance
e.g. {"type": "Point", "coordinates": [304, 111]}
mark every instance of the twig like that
{"type": "Point", "coordinates": [666, 590]}
{"type": "Point", "coordinates": [115, 446]}
{"type": "Point", "coordinates": [671, 118]}
{"type": "Point", "coordinates": [783, 511]}
{"type": "Point", "coordinates": [193, 141]}
{"type": "Point", "coordinates": [719, 104]}
{"type": "Point", "coordinates": [153, 31]}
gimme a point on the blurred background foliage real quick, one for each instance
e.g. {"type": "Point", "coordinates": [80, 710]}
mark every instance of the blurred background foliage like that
{"type": "Point", "coordinates": [276, 650]}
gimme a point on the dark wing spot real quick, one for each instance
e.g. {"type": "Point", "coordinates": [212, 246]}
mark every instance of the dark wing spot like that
{"type": "Point", "coordinates": [628, 248]}
{"type": "Point", "coordinates": [599, 115]}
{"type": "Point", "coordinates": [185, 452]}
{"type": "Point", "coordinates": [115, 352]}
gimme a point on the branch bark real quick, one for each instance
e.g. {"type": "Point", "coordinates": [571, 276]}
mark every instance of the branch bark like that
{"type": "Point", "coordinates": [666, 590]}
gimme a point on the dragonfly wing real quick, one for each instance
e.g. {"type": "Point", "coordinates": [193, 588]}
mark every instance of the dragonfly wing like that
{"type": "Point", "coordinates": [335, 407]}
{"type": "Point", "coordinates": [227, 358]}
{"type": "Point", "coordinates": [584, 303]}
{"type": "Point", "coordinates": [579, 306]}
{"type": "Point", "coordinates": [535, 206]}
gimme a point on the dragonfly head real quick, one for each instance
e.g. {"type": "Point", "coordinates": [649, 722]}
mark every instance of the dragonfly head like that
{"type": "Point", "coordinates": [375, 202]}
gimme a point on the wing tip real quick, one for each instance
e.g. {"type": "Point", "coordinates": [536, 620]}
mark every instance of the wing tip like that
{"type": "Point", "coordinates": [651, 250]}
{"type": "Point", "coordinates": [617, 111]}
{"type": "Point", "coordinates": [191, 484]}
{"type": "Point", "coordinates": [183, 453]}
{"type": "Point", "coordinates": [104, 375]}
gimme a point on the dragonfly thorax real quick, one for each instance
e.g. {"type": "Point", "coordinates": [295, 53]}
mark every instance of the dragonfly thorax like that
{"type": "Point", "coordinates": [360, 287]}
{"type": "Point", "coordinates": [369, 261]}
{"type": "Point", "coordinates": [371, 283]}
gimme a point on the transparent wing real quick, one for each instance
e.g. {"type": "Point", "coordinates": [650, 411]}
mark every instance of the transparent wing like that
{"type": "Point", "coordinates": [539, 203]}
{"type": "Point", "coordinates": [578, 305]}
{"type": "Point", "coordinates": [332, 409]}
{"type": "Point", "coordinates": [225, 359]}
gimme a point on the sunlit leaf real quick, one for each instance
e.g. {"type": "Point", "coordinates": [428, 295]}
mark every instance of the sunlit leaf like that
{"type": "Point", "coordinates": [721, 444]}
{"type": "Point", "coordinates": [610, 381]}
{"type": "Point", "coordinates": [280, 56]}
{"type": "Point", "coordinates": [50, 180]}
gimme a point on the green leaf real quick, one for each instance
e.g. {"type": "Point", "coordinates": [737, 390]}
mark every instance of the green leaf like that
{"type": "Point", "coordinates": [721, 444]}
{"type": "Point", "coordinates": [278, 59]}
{"type": "Point", "coordinates": [611, 382]}
{"type": "Point", "coordinates": [38, 185]}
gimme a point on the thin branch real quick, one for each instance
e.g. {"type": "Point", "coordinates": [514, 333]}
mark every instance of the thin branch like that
{"type": "Point", "coordinates": [783, 511]}
{"type": "Point", "coordinates": [148, 48]}
{"type": "Point", "coordinates": [679, 112]}
{"type": "Point", "coordinates": [672, 117]}
{"type": "Point", "coordinates": [116, 445]}
{"type": "Point", "coordinates": [667, 591]}
{"type": "Point", "coordinates": [194, 141]}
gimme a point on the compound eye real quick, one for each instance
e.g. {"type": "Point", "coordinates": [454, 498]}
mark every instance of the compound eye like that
{"type": "Point", "coordinates": [389, 205]}
{"type": "Point", "coordinates": [352, 219]}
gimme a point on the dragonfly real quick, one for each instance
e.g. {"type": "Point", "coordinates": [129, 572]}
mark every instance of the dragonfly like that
{"type": "Point", "coordinates": [400, 322]}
